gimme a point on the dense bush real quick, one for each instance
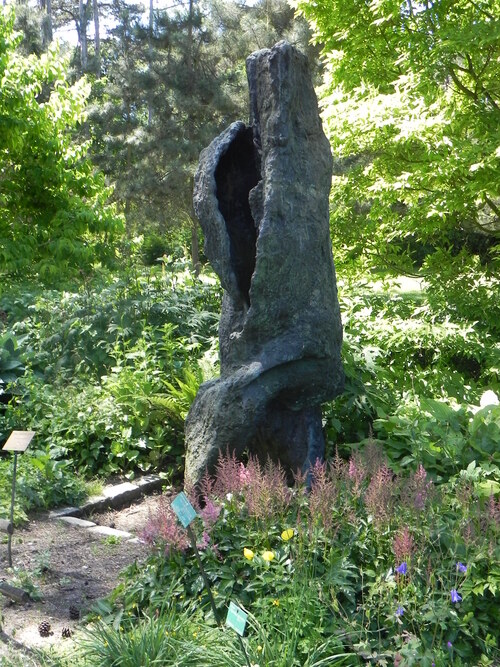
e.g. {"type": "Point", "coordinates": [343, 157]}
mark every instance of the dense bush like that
{"type": "Point", "coordinates": [415, 376]}
{"type": "Point", "coordinates": [110, 370]}
{"type": "Point", "coordinates": [42, 482]}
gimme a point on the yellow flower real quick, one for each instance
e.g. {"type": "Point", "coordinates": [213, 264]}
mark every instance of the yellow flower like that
{"type": "Point", "coordinates": [248, 553]}
{"type": "Point", "coordinates": [287, 534]}
{"type": "Point", "coordinates": [276, 603]}
{"type": "Point", "coordinates": [268, 556]}
{"type": "Point", "coordinates": [259, 649]}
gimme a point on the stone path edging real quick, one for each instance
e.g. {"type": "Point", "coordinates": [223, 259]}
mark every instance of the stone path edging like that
{"type": "Point", "coordinates": [113, 497]}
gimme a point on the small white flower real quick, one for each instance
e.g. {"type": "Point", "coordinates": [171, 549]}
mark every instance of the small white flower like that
{"type": "Point", "coordinates": [229, 497]}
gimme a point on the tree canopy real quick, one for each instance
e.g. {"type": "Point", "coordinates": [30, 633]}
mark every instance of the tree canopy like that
{"type": "Point", "coordinates": [54, 216]}
{"type": "Point", "coordinates": [412, 109]}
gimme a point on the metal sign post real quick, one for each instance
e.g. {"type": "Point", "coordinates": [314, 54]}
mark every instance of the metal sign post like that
{"type": "Point", "coordinates": [186, 513]}
{"type": "Point", "coordinates": [237, 620]}
{"type": "Point", "coordinates": [18, 441]}
{"type": "Point", "coordinates": [236, 617]}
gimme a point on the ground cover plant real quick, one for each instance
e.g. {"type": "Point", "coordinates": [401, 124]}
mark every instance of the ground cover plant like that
{"type": "Point", "coordinates": [365, 567]}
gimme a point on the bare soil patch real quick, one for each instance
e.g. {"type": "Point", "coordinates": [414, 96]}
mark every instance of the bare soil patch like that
{"type": "Point", "coordinates": [70, 566]}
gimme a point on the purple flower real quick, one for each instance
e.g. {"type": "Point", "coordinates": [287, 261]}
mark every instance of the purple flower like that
{"type": "Point", "coordinates": [400, 611]}
{"type": "Point", "coordinates": [461, 567]}
{"type": "Point", "coordinates": [403, 568]}
{"type": "Point", "coordinates": [449, 645]}
{"type": "Point", "coordinates": [455, 597]}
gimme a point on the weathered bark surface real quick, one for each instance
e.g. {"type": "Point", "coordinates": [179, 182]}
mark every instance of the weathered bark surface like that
{"type": "Point", "coordinates": [261, 196]}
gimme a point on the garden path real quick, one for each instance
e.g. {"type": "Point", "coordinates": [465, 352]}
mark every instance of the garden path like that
{"type": "Point", "coordinates": [71, 563]}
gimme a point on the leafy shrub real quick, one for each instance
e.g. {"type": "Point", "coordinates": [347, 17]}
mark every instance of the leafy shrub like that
{"type": "Point", "coordinates": [414, 377]}
{"type": "Point", "coordinates": [42, 482]}
{"type": "Point", "coordinates": [80, 332]}
{"type": "Point", "coordinates": [11, 364]}
{"type": "Point", "coordinates": [112, 371]}
{"type": "Point", "coordinates": [465, 288]}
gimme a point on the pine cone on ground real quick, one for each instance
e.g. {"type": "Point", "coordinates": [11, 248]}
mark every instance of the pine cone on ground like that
{"type": "Point", "coordinates": [44, 629]}
{"type": "Point", "coordinates": [74, 612]}
{"type": "Point", "coordinates": [66, 633]}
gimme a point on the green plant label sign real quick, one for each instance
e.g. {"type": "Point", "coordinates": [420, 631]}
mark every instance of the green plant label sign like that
{"type": "Point", "coordinates": [236, 618]}
{"type": "Point", "coordinates": [183, 509]}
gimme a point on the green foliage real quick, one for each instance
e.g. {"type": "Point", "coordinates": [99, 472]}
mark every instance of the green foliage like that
{"type": "Point", "coordinates": [24, 580]}
{"type": "Point", "coordinates": [113, 369]}
{"type": "Point", "coordinates": [42, 482]}
{"type": "Point", "coordinates": [83, 331]}
{"type": "Point", "coordinates": [363, 568]}
{"type": "Point", "coordinates": [461, 285]}
{"type": "Point", "coordinates": [11, 364]}
{"type": "Point", "coordinates": [163, 637]}
{"type": "Point", "coordinates": [412, 109]}
{"type": "Point", "coordinates": [415, 374]}
{"type": "Point", "coordinates": [169, 90]}
{"type": "Point", "coordinates": [54, 219]}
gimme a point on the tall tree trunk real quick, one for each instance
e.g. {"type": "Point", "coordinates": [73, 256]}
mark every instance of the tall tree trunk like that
{"type": "Point", "coordinates": [97, 37]}
{"type": "Point", "coordinates": [195, 250]}
{"type": "Point", "coordinates": [49, 20]}
{"type": "Point", "coordinates": [47, 32]}
{"type": "Point", "coordinates": [190, 35]}
{"type": "Point", "coordinates": [83, 35]}
{"type": "Point", "coordinates": [150, 49]}
{"type": "Point", "coordinates": [128, 198]}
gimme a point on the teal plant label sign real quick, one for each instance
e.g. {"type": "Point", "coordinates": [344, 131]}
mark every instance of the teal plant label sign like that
{"type": "Point", "coordinates": [236, 618]}
{"type": "Point", "coordinates": [183, 509]}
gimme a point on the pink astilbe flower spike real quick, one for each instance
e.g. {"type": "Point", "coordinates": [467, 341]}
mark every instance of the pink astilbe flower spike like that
{"type": "Point", "coordinates": [338, 466]}
{"type": "Point", "coordinates": [163, 531]}
{"type": "Point", "coordinates": [300, 481]}
{"type": "Point", "coordinates": [231, 475]}
{"type": "Point", "coordinates": [417, 490]}
{"type": "Point", "coordinates": [403, 545]}
{"type": "Point", "coordinates": [374, 457]}
{"type": "Point", "coordinates": [204, 542]}
{"type": "Point", "coordinates": [267, 492]}
{"type": "Point", "coordinates": [494, 511]}
{"type": "Point", "coordinates": [380, 495]}
{"type": "Point", "coordinates": [324, 495]}
{"type": "Point", "coordinates": [206, 486]}
{"type": "Point", "coordinates": [210, 513]}
{"type": "Point", "coordinates": [356, 473]}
